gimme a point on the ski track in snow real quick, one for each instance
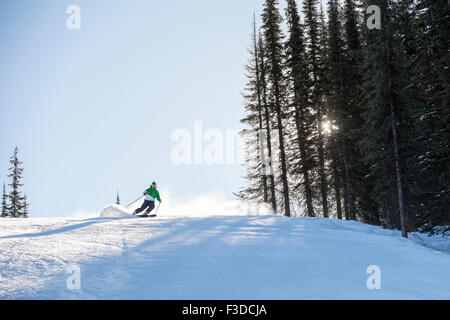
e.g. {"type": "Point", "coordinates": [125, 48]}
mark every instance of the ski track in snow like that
{"type": "Point", "coordinates": [232, 257]}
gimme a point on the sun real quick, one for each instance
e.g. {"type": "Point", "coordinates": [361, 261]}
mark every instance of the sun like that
{"type": "Point", "coordinates": [328, 127]}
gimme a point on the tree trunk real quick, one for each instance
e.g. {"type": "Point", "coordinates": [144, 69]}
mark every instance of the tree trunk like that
{"type": "Point", "coordinates": [304, 159]}
{"type": "Point", "coordinates": [349, 186]}
{"type": "Point", "coordinates": [323, 179]}
{"type": "Point", "coordinates": [268, 134]}
{"type": "Point", "coordinates": [398, 171]}
{"type": "Point", "coordinates": [337, 186]}
{"type": "Point", "coordinates": [345, 191]}
{"type": "Point", "coordinates": [287, 208]}
{"type": "Point", "coordinates": [269, 149]}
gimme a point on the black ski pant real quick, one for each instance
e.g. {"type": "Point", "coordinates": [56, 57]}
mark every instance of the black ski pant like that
{"type": "Point", "coordinates": [149, 205]}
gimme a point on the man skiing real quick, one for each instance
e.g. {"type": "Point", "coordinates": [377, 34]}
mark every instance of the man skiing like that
{"type": "Point", "coordinates": [150, 195]}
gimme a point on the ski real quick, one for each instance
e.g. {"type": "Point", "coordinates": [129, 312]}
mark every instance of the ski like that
{"type": "Point", "coordinates": [146, 216]}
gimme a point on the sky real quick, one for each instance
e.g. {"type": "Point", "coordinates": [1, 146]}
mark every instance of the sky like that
{"type": "Point", "coordinates": [94, 110]}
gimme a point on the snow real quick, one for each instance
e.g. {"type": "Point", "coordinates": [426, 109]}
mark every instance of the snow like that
{"type": "Point", "coordinates": [115, 211]}
{"type": "Point", "coordinates": [216, 257]}
{"type": "Point", "coordinates": [206, 205]}
{"type": "Point", "coordinates": [210, 204]}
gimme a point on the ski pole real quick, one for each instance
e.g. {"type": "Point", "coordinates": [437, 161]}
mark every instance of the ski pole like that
{"type": "Point", "coordinates": [157, 207]}
{"type": "Point", "coordinates": [134, 201]}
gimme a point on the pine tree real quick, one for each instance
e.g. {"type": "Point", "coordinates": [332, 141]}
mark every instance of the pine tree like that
{"type": "Point", "coordinates": [16, 200]}
{"type": "Point", "coordinates": [314, 40]}
{"type": "Point", "coordinates": [259, 93]}
{"type": "Point", "coordinates": [117, 198]}
{"type": "Point", "coordinates": [323, 118]}
{"type": "Point", "coordinates": [385, 137]}
{"type": "Point", "coordinates": [351, 117]}
{"type": "Point", "coordinates": [267, 112]}
{"type": "Point", "coordinates": [298, 73]}
{"type": "Point", "coordinates": [4, 203]}
{"type": "Point", "coordinates": [257, 168]}
{"type": "Point", "coordinates": [429, 65]}
{"type": "Point", "coordinates": [273, 37]}
{"type": "Point", "coordinates": [336, 100]}
{"type": "Point", "coordinates": [25, 211]}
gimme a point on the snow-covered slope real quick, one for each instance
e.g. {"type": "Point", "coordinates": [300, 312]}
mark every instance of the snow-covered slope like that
{"type": "Point", "coordinates": [115, 211]}
{"type": "Point", "coordinates": [222, 257]}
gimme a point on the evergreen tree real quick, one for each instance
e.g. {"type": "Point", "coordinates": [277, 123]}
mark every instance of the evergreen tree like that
{"type": "Point", "coordinates": [322, 119]}
{"type": "Point", "coordinates": [117, 198]}
{"type": "Point", "coordinates": [314, 40]}
{"type": "Point", "coordinates": [385, 139]}
{"type": "Point", "coordinates": [16, 199]}
{"type": "Point", "coordinates": [257, 171]}
{"type": "Point", "coordinates": [429, 65]}
{"type": "Point", "coordinates": [267, 118]}
{"type": "Point", "coordinates": [273, 37]}
{"type": "Point", "coordinates": [25, 211]}
{"type": "Point", "coordinates": [298, 73]}
{"type": "Point", "coordinates": [259, 93]}
{"type": "Point", "coordinates": [4, 203]}
{"type": "Point", "coordinates": [353, 168]}
{"type": "Point", "coordinates": [336, 100]}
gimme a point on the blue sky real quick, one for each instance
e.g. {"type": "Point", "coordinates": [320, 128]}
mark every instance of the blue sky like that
{"type": "Point", "coordinates": [93, 110]}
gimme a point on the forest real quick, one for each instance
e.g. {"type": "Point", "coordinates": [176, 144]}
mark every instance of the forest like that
{"type": "Point", "coordinates": [347, 112]}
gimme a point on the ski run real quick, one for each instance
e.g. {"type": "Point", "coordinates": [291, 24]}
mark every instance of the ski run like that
{"type": "Point", "coordinates": [117, 256]}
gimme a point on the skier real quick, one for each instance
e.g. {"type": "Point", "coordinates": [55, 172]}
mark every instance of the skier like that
{"type": "Point", "coordinates": [150, 195]}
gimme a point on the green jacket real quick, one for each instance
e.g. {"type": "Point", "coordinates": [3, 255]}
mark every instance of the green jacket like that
{"type": "Point", "coordinates": [152, 194]}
